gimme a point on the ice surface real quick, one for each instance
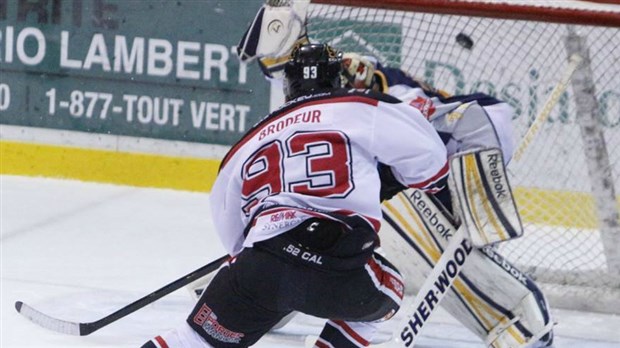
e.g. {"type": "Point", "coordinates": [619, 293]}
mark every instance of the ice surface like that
{"type": "Point", "coordinates": [80, 251]}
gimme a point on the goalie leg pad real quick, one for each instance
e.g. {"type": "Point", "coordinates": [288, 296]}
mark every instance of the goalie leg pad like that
{"type": "Point", "coordinates": [482, 196]}
{"type": "Point", "coordinates": [532, 316]}
{"type": "Point", "coordinates": [490, 296]}
{"type": "Point", "coordinates": [527, 316]}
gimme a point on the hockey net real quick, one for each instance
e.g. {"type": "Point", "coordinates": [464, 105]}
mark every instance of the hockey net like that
{"type": "Point", "coordinates": [566, 181]}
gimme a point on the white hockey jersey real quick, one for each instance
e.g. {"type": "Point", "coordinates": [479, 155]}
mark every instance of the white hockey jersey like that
{"type": "Point", "coordinates": [319, 155]}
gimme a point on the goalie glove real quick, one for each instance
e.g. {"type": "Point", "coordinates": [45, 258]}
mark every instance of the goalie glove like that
{"type": "Point", "coordinates": [275, 29]}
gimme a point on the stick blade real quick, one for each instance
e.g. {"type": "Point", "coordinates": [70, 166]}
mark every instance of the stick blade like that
{"type": "Point", "coordinates": [45, 321]}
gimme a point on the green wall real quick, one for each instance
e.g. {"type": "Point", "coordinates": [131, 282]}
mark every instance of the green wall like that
{"type": "Point", "coordinates": [156, 69]}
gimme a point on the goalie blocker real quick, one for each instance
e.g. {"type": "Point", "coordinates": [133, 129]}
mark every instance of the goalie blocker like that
{"type": "Point", "coordinates": [491, 297]}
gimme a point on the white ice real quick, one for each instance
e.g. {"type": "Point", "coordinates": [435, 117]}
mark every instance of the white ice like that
{"type": "Point", "coordinates": [80, 251]}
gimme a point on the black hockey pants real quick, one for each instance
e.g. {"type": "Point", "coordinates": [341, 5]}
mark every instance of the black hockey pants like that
{"type": "Point", "coordinates": [318, 268]}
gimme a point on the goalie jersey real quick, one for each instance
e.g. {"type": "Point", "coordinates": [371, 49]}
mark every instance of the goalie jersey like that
{"type": "Point", "coordinates": [317, 156]}
{"type": "Point", "coordinates": [464, 122]}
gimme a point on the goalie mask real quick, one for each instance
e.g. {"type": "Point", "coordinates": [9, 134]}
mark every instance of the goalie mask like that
{"type": "Point", "coordinates": [361, 72]}
{"type": "Point", "coordinates": [312, 67]}
{"type": "Point", "coordinates": [358, 72]}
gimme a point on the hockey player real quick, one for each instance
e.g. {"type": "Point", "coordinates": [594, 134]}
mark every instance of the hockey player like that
{"type": "Point", "coordinates": [492, 298]}
{"type": "Point", "coordinates": [510, 313]}
{"type": "Point", "coordinates": [296, 203]}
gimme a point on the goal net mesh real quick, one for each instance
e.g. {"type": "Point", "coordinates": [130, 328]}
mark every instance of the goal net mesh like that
{"type": "Point", "coordinates": [519, 62]}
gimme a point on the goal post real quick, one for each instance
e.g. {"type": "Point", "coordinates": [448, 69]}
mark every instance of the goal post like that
{"type": "Point", "coordinates": [566, 182]}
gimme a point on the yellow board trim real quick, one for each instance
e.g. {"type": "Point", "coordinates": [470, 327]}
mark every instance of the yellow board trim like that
{"type": "Point", "coordinates": [557, 208]}
{"type": "Point", "coordinates": [133, 169]}
{"type": "Point", "coordinates": [537, 206]}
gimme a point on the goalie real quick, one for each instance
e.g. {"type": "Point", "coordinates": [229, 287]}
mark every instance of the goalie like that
{"type": "Point", "coordinates": [491, 297]}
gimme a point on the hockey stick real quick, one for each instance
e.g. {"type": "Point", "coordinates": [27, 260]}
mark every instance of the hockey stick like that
{"type": "Point", "coordinates": [449, 265]}
{"type": "Point", "coordinates": [432, 292]}
{"type": "Point", "coordinates": [434, 288]}
{"type": "Point", "coordinates": [553, 98]}
{"type": "Point", "coordinates": [83, 329]}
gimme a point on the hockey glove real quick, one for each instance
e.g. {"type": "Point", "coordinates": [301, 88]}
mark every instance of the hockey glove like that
{"type": "Point", "coordinates": [275, 29]}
